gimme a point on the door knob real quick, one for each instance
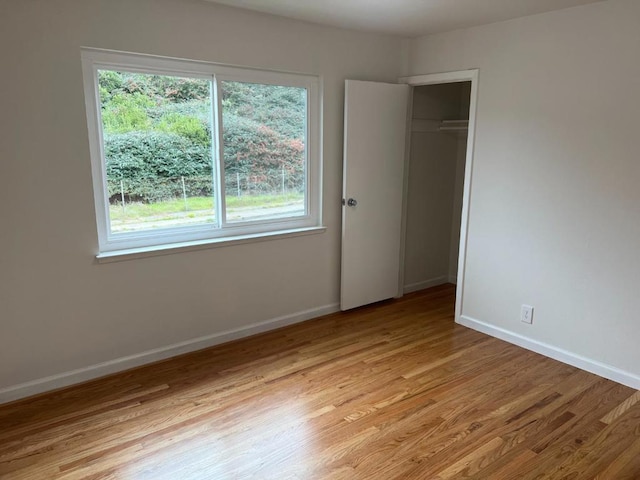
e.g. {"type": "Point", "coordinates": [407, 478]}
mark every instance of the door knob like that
{"type": "Point", "coordinates": [352, 202]}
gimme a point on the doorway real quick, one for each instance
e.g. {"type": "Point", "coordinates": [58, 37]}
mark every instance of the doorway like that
{"type": "Point", "coordinates": [438, 180]}
{"type": "Point", "coordinates": [405, 208]}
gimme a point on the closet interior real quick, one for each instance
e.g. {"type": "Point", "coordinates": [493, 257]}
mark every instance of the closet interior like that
{"type": "Point", "coordinates": [438, 146]}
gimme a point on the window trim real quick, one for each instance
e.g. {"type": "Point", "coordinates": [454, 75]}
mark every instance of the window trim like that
{"type": "Point", "coordinates": [170, 239]}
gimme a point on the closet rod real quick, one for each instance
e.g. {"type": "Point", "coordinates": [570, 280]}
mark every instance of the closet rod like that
{"type": "Point", "coordinates": [425, 125]}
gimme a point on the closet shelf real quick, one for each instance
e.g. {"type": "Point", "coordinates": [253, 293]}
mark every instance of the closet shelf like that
{"type": "Point", "coordinates": [425, 125]}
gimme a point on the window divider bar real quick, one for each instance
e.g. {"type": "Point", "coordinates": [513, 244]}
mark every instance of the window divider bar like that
{"type": "Point", "coordinates": [218, 154]}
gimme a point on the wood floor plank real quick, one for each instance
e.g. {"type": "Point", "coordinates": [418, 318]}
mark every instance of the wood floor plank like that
{"type": "Point", "coordinates": [395, 390]}
{"type": "Point", "coordinates": [621, 409]}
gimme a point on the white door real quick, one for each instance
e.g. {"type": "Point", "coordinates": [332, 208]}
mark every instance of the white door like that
{"type": "Point", "coordinates": [375, 120]}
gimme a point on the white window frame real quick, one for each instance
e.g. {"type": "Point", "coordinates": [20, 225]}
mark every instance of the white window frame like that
{"type": "Point", "coordinates": [221, 232]}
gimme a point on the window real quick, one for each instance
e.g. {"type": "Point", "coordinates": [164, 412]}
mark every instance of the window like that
{"type": "Point", "coordinates": [186, 152]}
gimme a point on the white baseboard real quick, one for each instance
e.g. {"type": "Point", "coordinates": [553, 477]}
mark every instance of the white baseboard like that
{"type": "Point", "coordinates": [453, 279]}
{"type": "Point", "coordinates": [564, 356]}
{"type": "Point", "coordinates": [433, 282]}
{"type": "Point", "coordinates": [27, 389]}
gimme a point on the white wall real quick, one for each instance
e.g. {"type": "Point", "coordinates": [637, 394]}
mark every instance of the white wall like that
{"type": "Point", "coordinates": [555, 202]}
{"type": "Point", "coordinates": [458, 196]}
{"type": "Point", "coordinates": [458, 192]}
{"type": "Point", "coordinates": [59, 309]}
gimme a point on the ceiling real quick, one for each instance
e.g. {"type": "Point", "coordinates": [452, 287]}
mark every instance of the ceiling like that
{"type": "Point", "coordinates": [408, 18]}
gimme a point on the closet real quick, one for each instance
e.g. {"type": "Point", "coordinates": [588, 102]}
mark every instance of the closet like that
{"type": "Point", "coordinates": [438, 146]}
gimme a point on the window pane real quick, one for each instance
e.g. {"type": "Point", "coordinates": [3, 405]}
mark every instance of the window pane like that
{"type": "Point", "coordinates": [264, 137]}
{"type": "Point", "coordinates": [157, 148]}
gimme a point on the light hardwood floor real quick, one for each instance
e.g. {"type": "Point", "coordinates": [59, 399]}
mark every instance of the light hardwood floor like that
{"type": "Point", "coordinates": [391, 391]}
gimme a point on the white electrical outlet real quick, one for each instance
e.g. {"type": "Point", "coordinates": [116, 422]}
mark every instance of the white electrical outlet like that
{"type": "Point", "coordinates": [526, 314]}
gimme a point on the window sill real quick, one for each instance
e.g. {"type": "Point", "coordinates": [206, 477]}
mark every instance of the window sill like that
{"type": "Point", "coordinates": [170, 248]}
